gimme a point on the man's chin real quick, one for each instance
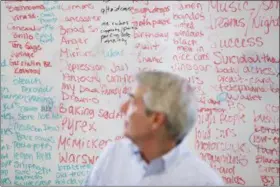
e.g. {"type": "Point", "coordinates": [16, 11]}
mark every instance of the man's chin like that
{"type": "Point", "coordinates": [127, 135]}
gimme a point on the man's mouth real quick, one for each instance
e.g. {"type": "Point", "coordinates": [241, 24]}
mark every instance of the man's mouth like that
{"type": "Point", "coordinates": [126, 124]}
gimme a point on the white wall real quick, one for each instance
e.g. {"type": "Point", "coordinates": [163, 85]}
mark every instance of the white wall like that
{"type": "Point", "coordinates": [229, 51]}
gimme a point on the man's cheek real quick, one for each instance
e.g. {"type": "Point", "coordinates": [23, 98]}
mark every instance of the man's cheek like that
{"type": "Point", "coordinates": [131, 109]}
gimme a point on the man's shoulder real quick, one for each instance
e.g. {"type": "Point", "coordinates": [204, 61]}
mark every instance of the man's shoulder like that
{"type": "Point", "coordinates": [119, 146]}
{"type": "Point", "coordinates": [201, 172]}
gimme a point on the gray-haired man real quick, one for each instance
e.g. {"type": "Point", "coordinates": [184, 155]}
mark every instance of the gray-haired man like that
{"type": "Point", "coordinates": [160, 113]}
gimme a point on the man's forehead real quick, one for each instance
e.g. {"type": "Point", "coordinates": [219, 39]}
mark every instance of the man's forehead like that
{"type": "Point", "coordinates": [138, 90]}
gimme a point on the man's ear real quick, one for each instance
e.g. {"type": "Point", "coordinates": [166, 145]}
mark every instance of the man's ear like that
{"type": "Point", "coordinates": [159, 120]}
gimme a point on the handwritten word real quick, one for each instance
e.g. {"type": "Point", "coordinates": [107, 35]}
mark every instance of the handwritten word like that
{"type": "Point", "coordinates": [265, 118]}
{"type": "Point", "coordinates": [267, 151]}
{"type": "Point", "coordinates": [74, 125]}
{"type": "Point", "coordinates": [155, 10]}
{"type": "Point", "coordinates": [68, 87]}
{"type": "Point", "coordinates": [258, 139]}
{"type": "Point", "coordinates": [31, 128]}
{"type": "Point", "coordinates": [189, 16]}
{"type": "Point", "coordinates": [221, 146]}
{"type": "Point", "coordinates": [268, 180]}
{"type": "Point", "coordinates": [185, 25]}
{"type": "Point", "coordinates": [21, 155]}
{"type": "Point", "coordinates": [28, 98]}
{"type": "Point", "coordinates": [27, 71]}
{"type": "Point", "coordinates": [86, 6]}
{"type": "Point", "coordinates": [47, 18]}
{"type": "Point", "coordinates": [79, 99]}
{"type": "Point", "coordinates": [269, 5]}
{"type": "Point", "coordinates": [46, 108]}
{"type": "Point", "coordinates": [22, 54]}
{"type": "Point", "coordinates": [79, 79]}
{"type": "Point", "coordinates": [242, 59]}
{"type": "Point", "coordinates": [6, 131]}
{"type": "Point", "coordinates": [226, 158]}
{"type": "Point", "coordinates": [82, 19]}
{"type": "Point", "coordinates": [164, 35]}
{"type": "Point", "coordinates": [244, 96]}
{"type": "Point", "coordinates": [183, 41]}
{"type": "Point", "coordinates": [260, 159]}
{"type": "Point", "coordinates": [147, 46]}
{"type": "Point", "coordinates": [33, 147]}
{"type": "Point", "coordinates": [224, 170]}
{"type": "Point", "coordinates": [72, 67]}
{"type": "Point", "coordinates": [20, 80]}
{"type": "Point", "coordinates": [234, 180]}
{"type": "Point", "coordinates": [258, 80]}
{"type": "Point", "coordinates": [232, 6]}
{"type": "Point", "coordinates": [266, 23]}
{"type": "Point", "coordinates": [152, 23]}
{"type": "Point", "coordinates": [44, 38]}
{"type": "Point", "coordinates": [69, 53]}
{"type": "Point", "coordinates": [119, 8]}
{"type": "Point", "coordinates": [24, 17]}
{"type": "Point", "coordinates": [230, 79]}
{"type": "Point", "coordinates": [149, 59]}
{"type": "Point", "coordinates": [120, 78]}
{"type": "Point", "coordinates": [124, 90]}
{"type": "Point", "coordinates": [22, 109]}
{"type": "Point", "coordinates": [194, 80]}
{"type": "Point", "coordinates": [183, 67]}
{"type": "Point", "coordinates": [243, 88]}
{"type": "Point", "coordinates": [80, 143]}
{"type": "Point", "coordinates": [33, 183]}
{"type": "Point", "coordinates": [73, 41]}
{"type": "Point", "coordinates": [234, 119]}
{"type": "Point", "coordinates": [241, 42]}
{"type": "Point", "coordinates": [14, 27]}
{"type": "Point", "coordinates": [24, 8]}
{"type": "Point", "coordinates": [76, 110]}
{"type": "Point", "coordinates": [188, 33]}
{"type": "Point", "coordinates": [192, 6]}
{"type": "Point", "coordinates": [72, 167]}
{"type": "Point", "coordinates": [6, 163]}
{"type": "Point", "coordinates": [70, 180]}
{"type": "Point", "coordinates": [5, 147]}
{"type": "Point", "coordinates": [272, 108]}
{"type": "Point", "coordinates": [226, 22]}
{"type": "Point", "coordinates": [203, 134]}
{"type": "Point", "coordinates": [43, 156]}
{"type": "Point", "coordinates": [118, 68]}
{"type": "Point", "coordinates": [24, 36]}
{"type": "Point", "coordinates": [77, 158]}
{"type": "Point", "coordinates": [111, 53]}
{"type": "Point", "coordinates": [44, 89]}
{"type": "Point", "coordinates": [110, 115]}
{"type": "Point", "coordinates": [65, 30]}
{"type": "Point", "coordinates": [212, 110]}
{"type": "Point", "coordinates": [266, 169]}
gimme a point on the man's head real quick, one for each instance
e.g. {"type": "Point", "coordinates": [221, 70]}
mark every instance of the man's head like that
{"type": "Point", "coordinates": [161, 104]}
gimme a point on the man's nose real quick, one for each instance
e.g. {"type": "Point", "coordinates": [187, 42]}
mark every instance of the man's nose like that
{"type": "Point", "coordinates": [124, 107]}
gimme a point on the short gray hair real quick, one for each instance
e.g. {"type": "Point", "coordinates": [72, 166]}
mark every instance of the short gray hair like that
{"type": "Point", "coordinates": [172, 95]}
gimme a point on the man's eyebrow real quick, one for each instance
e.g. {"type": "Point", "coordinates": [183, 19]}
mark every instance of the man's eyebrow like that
{"type": "Point", "coordinates": [131, 95]}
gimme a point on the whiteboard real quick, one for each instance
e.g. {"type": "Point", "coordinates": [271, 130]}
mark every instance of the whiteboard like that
{"type": "Point", "coordinates": [67, 66]}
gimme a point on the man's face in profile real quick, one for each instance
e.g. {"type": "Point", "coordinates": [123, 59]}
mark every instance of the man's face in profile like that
{"type": "Point", "coordinates": [138, 125]}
